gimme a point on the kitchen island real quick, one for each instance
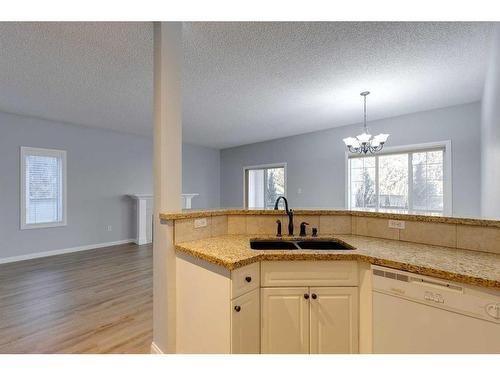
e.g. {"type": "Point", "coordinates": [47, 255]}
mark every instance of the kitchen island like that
{"type": "Point", "coordinates": [231, 298]}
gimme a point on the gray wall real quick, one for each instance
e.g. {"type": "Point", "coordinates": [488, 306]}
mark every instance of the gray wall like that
{"type": "Point", "coordinates": [316, 161]}
{"type": "Point", "coordinates": [102, 167]}
{"type": "Point", "coordinates": [490, 134]}
{"type": "Point", "coordinates": [201, 174]}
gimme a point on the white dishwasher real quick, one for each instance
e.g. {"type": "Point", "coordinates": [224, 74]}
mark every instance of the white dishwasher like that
{"type": "Point", "coordinates": [419, 314]}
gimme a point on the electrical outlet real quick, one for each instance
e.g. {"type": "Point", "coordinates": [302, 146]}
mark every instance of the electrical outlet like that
{"type": "Point", "coordinates": [109, 228]}
{"type": "Point", "coordinates": [397, 224]}
{"type": "Point", "coordinates": [200, 223]}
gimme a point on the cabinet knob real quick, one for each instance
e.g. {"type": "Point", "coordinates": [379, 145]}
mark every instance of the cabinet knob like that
{"type": "Point", "coordinates": [306, 296]}
{"type": "Point", "coordinates": [248, 279]}
{"type": "Point", "coordinates": [314, 296]}
{"type": "Point", "coordinates": [237, 308]}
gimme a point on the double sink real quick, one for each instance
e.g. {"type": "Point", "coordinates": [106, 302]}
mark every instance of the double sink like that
{"type": "Point", "coordinates": [310, 244]}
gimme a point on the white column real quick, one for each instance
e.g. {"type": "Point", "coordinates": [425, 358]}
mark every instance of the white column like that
{"type": "Point", "coordinates": [167, 154]}
{"type": "Point", "coordinates": [490, 133]}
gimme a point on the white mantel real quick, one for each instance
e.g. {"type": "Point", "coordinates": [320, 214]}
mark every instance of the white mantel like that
{"type": "Point", "coordinates": [144, 212]}
{"type": "Point", "coordinates": [144, 215]}
{"type": "Point", "coordinates": [186, 200]}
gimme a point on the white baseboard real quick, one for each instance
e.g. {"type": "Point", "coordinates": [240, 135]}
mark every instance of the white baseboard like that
{"type": "Point", "coordinates": [142, 241]}
{"type": "Point", "coordinates": [64, 251]}
{"type": "Point", "coordinates": [155, 349]}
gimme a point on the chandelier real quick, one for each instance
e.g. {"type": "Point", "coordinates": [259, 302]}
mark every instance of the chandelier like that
{"type": "Point", "coordinates": [364, 142]}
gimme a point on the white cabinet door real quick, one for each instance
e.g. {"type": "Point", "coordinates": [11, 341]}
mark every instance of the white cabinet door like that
{"type": "Point", "coordinates": [245, 324]}
{"type": "Point", "coordinates": [334, 320]}
{"type": "Point", "coordinates": [285, 320]}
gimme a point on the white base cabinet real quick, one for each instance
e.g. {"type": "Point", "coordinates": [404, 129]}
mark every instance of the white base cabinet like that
{"type": "Point", "coordinates": [285, 320]}
{"type": "Point", "coordinates": [309, 307]}
{"type": "Point", "coordinates": [334, 320]}
{"type": "Point", "coordinates": [316, 320]}
{"type": "Point", "coordinates": [267, 307]}
{"type": "Point", "coordinates": [245, 324]}
{"type": "Point", "coordinates": [217, 311]}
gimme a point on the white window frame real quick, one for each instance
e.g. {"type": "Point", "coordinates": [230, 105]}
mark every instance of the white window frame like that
{"type": "Point", "coordinates": [447, 170]}
{"type": "Point", "coordinates": [24, 151]}
{"type": "Point", "coordinates": [261, 166]}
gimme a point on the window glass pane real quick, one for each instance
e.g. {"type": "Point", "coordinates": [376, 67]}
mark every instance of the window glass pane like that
{"type": "Point", "coordinates": [264, 186]}
{"type": "Point", "coordinates": [43, 189]}
{"type": "Point", "coordinates": [255, 189]}
{"type": "Point", "coordinates": [435, 157]}
{"type": "Point", "coordinates": [356, 162]}
{"type": "Point", "coordinates": [393, 181]}
{"type": "Point", "coordinates": [369, 162]}
{"type": "Point", "coordinates": [363, 193]}
{"type": "Point", "coordinates": [435, 172]}
{"type": "Point", "coordinates": [419, 157]}
{"type": "Point", "coordinates": [436, 202]}
{"type": "Point", "coordinates": [275, 185]}
{"type": "Point", "coordinates": [356, 174]}
{"type": "Point", "coordinates": [428, 181]}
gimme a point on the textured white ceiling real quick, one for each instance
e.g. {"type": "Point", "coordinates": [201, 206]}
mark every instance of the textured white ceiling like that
{"type": "Point", "coordinates": [242, 82]}
{"type": "Point", "coordinates": [249, 82]}
{"type": "Point", "coordinates": [97, 74]}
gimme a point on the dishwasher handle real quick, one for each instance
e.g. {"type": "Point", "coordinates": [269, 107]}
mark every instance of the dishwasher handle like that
{"type": "Point", "coordinates": [443, 285]}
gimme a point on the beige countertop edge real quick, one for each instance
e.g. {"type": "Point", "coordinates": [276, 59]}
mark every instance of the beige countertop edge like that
{"type": "Point", "coordinates": [418, 269]}
{"type": "Point", "coordinates": [409, 217]}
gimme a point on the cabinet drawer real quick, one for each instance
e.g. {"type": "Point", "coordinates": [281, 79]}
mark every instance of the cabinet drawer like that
{"type": "Point", "coordinates": [309, 273]}
{"type": "Point", "coordinates": [245, 279]}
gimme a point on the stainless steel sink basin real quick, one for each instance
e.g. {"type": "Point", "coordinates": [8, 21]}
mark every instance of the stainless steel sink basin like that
{"type": "Point", "coordinates": [312, 244]}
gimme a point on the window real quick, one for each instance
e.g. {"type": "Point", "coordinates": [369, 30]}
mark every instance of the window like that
{"type": "Point", "coordinates": [401, 181]}
{"type": "Point", "coordinates": [264, 184]}
{"type": "Point", "coordinates": [43, 188]}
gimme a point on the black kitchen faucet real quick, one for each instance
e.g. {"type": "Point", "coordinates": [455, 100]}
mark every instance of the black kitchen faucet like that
{"type": "Point", "coordinates": [289, 212]}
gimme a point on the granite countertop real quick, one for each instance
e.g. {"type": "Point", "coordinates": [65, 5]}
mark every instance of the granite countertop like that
{"type": "Point", "coordinates": [471, 267]}
{"type": "Point", "coordinates": [190, 214]}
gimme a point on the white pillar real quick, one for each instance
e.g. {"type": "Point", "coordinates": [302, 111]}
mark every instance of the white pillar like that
{"type": "Point", "coordinates": [167, 154]}
{"type": "Point", "coordinates": [490, 133]}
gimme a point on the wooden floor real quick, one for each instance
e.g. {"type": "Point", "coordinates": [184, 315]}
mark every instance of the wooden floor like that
{"type": "Point", "coordinates": [96, 301]}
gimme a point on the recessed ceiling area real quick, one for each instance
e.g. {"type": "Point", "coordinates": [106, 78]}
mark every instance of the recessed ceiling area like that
{"type": "Point", "coordinates": [242, 82]}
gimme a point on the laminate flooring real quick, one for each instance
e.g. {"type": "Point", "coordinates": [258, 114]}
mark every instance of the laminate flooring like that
{"type": "Point", "coordinates": [95, 301]}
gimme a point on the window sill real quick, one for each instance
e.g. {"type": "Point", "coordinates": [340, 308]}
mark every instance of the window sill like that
{"type": "Point", "coordinates": [43, 225]}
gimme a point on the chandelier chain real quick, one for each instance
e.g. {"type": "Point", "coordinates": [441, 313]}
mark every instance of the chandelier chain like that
{"type": "Point", "coordinates": [364, 120]}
